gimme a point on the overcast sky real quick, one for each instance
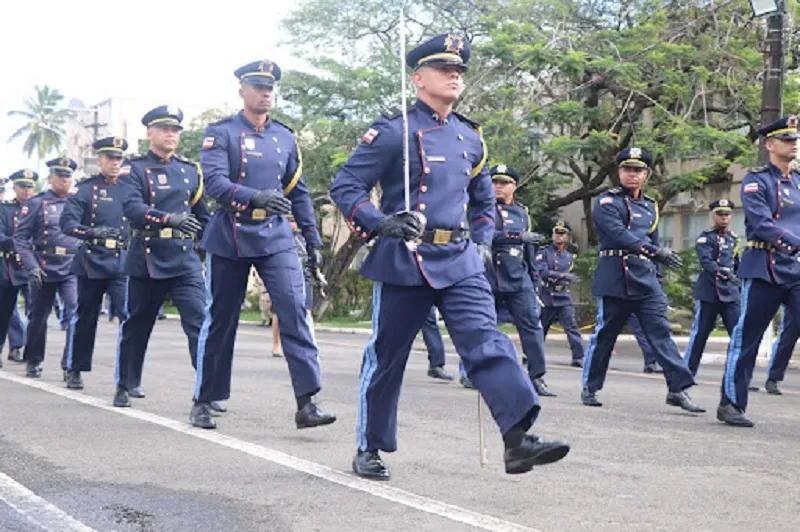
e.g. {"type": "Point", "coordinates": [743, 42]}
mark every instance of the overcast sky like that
{"type": "Point", "coordinates": [171, 50]}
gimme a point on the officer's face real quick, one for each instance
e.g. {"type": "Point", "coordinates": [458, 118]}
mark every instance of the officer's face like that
{"type": "Point", "coordinates": [560, 238]}
{"type": "Point", "coordinates": [257, 98]}
{"type": "Point", "coordinates": [632, 177]}
{"type": "Point", "coordinates": [782, 149]}
{"type": "Point", "coordinates": [23, 193]}
{"type": "Point", "coordinates": [164, 139]}
{"type": "Point", "coordinates": [504, 191]}
{"type": "Point", "coordinates": [109, 166]}
{"type": "Point", "coordinates": [60, 184]}
{"type": "Point", "coordinates": [722, 219]}
{"type": "Point", "coordinates": [441, 82]}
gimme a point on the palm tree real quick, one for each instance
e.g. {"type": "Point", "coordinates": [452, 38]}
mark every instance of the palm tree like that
{"type": "Point", "coordinates": [44, 130]}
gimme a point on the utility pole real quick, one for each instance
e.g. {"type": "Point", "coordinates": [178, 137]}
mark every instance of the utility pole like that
{"type": "Point", "coordinates": [772, 90]}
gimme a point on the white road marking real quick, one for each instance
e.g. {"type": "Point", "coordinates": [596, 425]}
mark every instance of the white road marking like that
{"type": "Point", "coordinates": [37, 510]}
{"type": "Point", "coordinates": [383, 491]}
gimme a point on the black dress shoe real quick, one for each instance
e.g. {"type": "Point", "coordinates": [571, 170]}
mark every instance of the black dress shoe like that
{"type": "Point", "coordinates": [590, 399]}
{"type": "Point", "coordinates": [541, 388]}
{"type": "Point", "coordinates": [277, 355]}
{"type": "Point", "coordinates": [218, 406]}
{"type": "Point", "coordinates": [732, 415]}
{"type": "Point", "coordinates": [15, 355]}
{"type": "Point", "coordinates": [368, 464]}
{"type": "Point", "coordinates": [577, 363]}
{"type": "Point", "coordinates": [466, 383]}
{"type": "Point", "coordinates": [201, 417]}
{"type": "Point", "coordinates": [137, 392]}
{"type": "Point", "coordinates": [74, 381]}
{"type": "Point", "coordinates": [310, 416]}
{"type": "Point", "coordinates": [438, 372]}
{"type": "Point", "coordinates": [683, 400]}
{"type": "Point", "coordinates": [534, 451]}
{"type": "Point", "coordinates": [33, 370]}
{"type": "Point", "coordinates": [752, 388]}
{"type": "Point", "coordinates": [653, 367]}
{"type": "Point", "coordinates": [772, 387]}
{"type": "Point", "coordinates": [121, 399]}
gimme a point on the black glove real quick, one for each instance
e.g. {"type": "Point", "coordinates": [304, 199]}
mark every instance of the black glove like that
{"type": "Point", "coordinates": [36, 278]}
{"type": "Point", "coordinates": [485, 252]}
{"type": "Point", "coordinates": [668, 258]}
{"type": "Point", "coordinates": [273, 201]}
{"type": "Point", "coordinates": [403, 225]}
{"type": "Point", "coordinates": [529, 237]}
{"type": "Point", "coordinates": [104, 232]}
{"type": "Point", "coordinates": [184, 221]}
{"type": "Point", "coordinates": [315, 258]}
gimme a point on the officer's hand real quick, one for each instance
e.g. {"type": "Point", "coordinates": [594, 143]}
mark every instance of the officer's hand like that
{"type": "Point", "coordinates": [184, 221]}
{"type": "Point", "coordinates": [403, 225]}
{"type": "Point", "coordinates": [485, 252]}
{"type": "Point", "coordinates": [273, 201]}
{"type": "Point", "coordinates": [668, 258]}
{"type": "Point", "coordinates": [106, 232]}
{"type": "Point", "coordinates": [529, 237]}
{"type": "Point", "coordinates": [36, 278]}
{"type": "Point", "coordinates": [724, 273]}
{"type": "Point", "coordinates": [571, 277]}
{"type": "Point", "coordinates": [315, 258]}
{"type": "Point", "coordinates": [7, 245]}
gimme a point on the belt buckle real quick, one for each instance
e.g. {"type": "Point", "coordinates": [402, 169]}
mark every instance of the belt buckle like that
{"type": "Point", "coordinates": [165, 233]}
{"type": "Point", "coordinates": [111, 243]}
{"type": "Point", "coordinates": [259, 214]}
{"type": "Point", "coordinates": [60, 250]}
{"type": "Point", "coordinates": [441, 236]}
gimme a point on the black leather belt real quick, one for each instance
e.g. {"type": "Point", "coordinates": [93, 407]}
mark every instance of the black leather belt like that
{"type": "Point", "coordinates": [442, 236]}
{"type": "Point", "coordinates": [757, 244]}
{"type": "Point", "coordinates": [165, 233]}
{"type": "Point", "coordinates": [109, 243]}
{"type": "Point", "coordinates": [55, 250]}
{"type": "Point", "coordinates": [621, 253]}
{"type": "Point", "coordinates": [255, 214]}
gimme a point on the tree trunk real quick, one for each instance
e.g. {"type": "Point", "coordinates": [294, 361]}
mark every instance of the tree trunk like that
{"type": "Point", "coordinates": [591, 235]}
{"type": "Point", "coordinates": [334, 271]}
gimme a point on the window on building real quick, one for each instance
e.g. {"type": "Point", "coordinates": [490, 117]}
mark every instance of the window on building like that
{"type": "Point", "coordinates": [693, 224]}
{"type": "Point", "coordinates": [666, 230]}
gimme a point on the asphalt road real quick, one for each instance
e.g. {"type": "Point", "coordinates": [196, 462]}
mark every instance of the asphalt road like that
{"type": "Point", "coordinates": [70, 461]}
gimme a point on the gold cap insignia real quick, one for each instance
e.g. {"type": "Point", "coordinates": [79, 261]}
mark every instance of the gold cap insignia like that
{"type": "Point", "coordinates": [118, 142]}
{"type": "Point", "coordinates": [27, 174]}
{"type": "Point", "coordinates": [453, 43]}
{"type": "Point", "coordinates": [636, 153]}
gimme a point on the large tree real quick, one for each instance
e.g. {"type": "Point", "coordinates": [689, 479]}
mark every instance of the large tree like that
{"type": "Point", "coordinates": [43, 129]}
{"type": "Point", "coordinates": [559, 85]}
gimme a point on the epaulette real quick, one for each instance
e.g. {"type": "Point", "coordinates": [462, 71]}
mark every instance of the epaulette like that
{"type": "Point", "coordinates": [648, 198]}
{"type": "Point", "coordinates": [734, 235]}
{"type": "Point", "coordinates": [390, 113]}
{"type": "Point", "coordinates": [183, 160]}
{"type": "Point", "coordinates": [615, 190]}
{"type": "Point", "coordinates": [222, 121]}
{"type": "Point", "coordinates": [470, 122]}
{"type": "Point", "coordinates": [759, 169]}
{"type": "Point", "coordinates": [282, 124]}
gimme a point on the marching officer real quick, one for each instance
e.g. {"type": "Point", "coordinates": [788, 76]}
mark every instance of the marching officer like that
{"type": "Point", "coordinates": [425, 258]}
{"type": "Point", "coordinates": [254, 170]}
{"type": "Point", "coordinates": [47, 254]}
{"type": "Point", "coordinates": [514, 276]}
{"type": "Point", "coordinates": [13, 278]}
{"type": "Point", "coordinates": [555, 263]}
{"type": "Point", "coordinates": [94, 215]}
{"type": "Point", "coordinates": [769, 267]}
{"type": "Point", "coordinates": [782, 350]}
{"type": "Point", "coordinates": [716, 291]}
{"type": "Point", "coordinates": [166, 209]}
{"type": "Point", "coordinates": [626, 281]}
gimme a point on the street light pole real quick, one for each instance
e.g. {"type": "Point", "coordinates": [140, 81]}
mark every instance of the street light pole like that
{"type": "Point", "coordinates": [772, 90]}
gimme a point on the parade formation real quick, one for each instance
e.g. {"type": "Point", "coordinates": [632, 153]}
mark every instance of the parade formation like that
{"type": "Point", "coordinates": [446, 238]}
